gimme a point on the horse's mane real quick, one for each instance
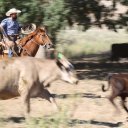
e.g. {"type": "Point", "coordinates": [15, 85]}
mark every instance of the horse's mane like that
{"type": "Point", "coordinates": [27, 38]}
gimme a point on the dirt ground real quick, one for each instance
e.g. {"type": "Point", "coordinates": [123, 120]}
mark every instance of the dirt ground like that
{"type": "Point", "coordinates": [85, 102]}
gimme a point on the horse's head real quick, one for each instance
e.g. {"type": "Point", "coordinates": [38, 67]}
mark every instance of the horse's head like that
{"type": "Point", "coordinates": [39, 35]}
{"type": "Point", "coordinates": [42, 38]}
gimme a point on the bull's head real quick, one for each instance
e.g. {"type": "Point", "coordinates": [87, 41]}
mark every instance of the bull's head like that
{"type": "Point", "coordinates": [68, 73]}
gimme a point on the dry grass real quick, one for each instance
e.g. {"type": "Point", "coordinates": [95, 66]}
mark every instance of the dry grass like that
{"type": "Point", "coordinates": [75, 43]}
{"type": "Point", "coordinates": [84, 105]}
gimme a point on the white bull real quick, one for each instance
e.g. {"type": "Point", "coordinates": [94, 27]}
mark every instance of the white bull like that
{"type": "Point", "coordinates": [27, 77]}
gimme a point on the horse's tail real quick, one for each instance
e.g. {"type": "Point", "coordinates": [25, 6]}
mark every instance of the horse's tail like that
{"type": "Point", "coordinates": [103, 86]}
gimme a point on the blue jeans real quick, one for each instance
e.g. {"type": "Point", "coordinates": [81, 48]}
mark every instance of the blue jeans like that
{"type": "Point", "coordinates": [10, 53]}
{"type": "Point", "coordinates": [12, 38]}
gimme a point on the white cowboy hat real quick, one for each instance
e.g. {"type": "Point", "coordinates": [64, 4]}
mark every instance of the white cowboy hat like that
{"type": "Point", "coordinates": [13, 10]}
{"type": "Point", "coordinates": [28, 29]}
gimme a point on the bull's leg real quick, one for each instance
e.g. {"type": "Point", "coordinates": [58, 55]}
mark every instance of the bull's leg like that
{"type": "Point", "coordinates": [45, 94]}
{"type": "Point", "coordinates": [123, 103]}
{"type": "Point", "coordinates": [25, 96]}
{"type": "Point", "coordinates": [114, 94]}
{"type": "Point", "coordinates": [26, 103]}
{"type": "Point", "coordinates": [47, 82]}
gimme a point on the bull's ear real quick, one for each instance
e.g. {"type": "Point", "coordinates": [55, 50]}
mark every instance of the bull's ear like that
{"type": "Point", "coordinates": [59, 64]}
{"type": "Point", "coordinates": [60, 59]}
{"type": "Point", "coordinates": [63, 60]}
{"type": "Point", "coordinates": [60, 56]}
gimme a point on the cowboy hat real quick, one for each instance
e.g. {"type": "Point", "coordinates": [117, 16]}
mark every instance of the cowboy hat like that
{"type": "Point", "coordinates": [13, 10]}
{"type": "Point", "coordinates": [27, 29]}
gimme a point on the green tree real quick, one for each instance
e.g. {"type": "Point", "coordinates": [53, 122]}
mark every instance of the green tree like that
{"type": "Point", "coordinates": [32, 11]}
{"type": "Point", "coordinates": [55, 16]}
{"type": "Point", "coordinates": [50, 13]}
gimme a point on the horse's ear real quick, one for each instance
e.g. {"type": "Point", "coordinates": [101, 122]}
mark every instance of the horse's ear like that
{"type": "Point", "coordinates": [40, 29]}
{"type": "Point", "coordinates": [43, 28]}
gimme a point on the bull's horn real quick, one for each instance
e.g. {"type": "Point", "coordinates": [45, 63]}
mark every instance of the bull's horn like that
{"type": "Point", "coordinates": [28, 30]}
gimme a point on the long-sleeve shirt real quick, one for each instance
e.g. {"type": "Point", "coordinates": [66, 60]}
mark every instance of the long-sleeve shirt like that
{"type": "Point", "coordinates": [10, 26]}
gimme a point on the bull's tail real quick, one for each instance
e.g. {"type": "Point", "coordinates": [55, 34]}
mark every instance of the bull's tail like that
{"type": "Point", "coordinates": [103, 86]}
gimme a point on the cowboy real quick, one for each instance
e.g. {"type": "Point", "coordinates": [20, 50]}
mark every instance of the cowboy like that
{"type": "Point", "coordinates": [10, 26]}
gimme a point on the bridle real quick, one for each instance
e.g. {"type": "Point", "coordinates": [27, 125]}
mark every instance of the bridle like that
{"type": "Point", "coordinates": [32, 40]}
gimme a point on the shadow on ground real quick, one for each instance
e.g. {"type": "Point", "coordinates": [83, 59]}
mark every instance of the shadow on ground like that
{"type": "Point", "coordinates": [16, 119]}
{"type": "Point", "coordinates": [109, 124]}
{"type": "Point", "coordinates": [84, 95]}
{"type": "Point", "coordinates": [13, 119]}
{"type": "Point", "coordinates": [70, 123]}
{"type": "Point", "coordinates": [98, 66]}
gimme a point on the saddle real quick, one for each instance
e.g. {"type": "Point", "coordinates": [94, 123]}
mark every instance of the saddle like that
{"type": "Point", "coordinates": [7, 44]}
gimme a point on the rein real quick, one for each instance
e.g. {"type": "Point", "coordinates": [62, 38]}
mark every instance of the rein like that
{"type": "Point", "coordinates": [32, 40]}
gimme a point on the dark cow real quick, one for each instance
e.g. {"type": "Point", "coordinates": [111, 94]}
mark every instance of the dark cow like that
{"type": "Point", "coordinates": [119, 84]}
{"type": "Point", "coordinates": [119, 51]}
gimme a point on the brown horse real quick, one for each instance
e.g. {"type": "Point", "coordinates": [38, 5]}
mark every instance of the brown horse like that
{"type": "Point", "coordinates": [29, 44]}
